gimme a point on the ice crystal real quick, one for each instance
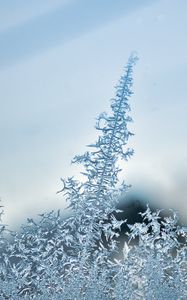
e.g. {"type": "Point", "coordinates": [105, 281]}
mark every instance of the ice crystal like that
{"type": "Point", "coordinates": [79, 257]}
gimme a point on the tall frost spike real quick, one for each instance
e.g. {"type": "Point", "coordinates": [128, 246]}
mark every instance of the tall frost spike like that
{"type": "Point", "coordinates": [79, 258]}
{"type": "Point", "coordinates": [100, 164]}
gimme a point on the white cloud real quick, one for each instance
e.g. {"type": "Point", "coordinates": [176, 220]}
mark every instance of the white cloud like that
{"type": "Point", "coordinates": [49, 102]}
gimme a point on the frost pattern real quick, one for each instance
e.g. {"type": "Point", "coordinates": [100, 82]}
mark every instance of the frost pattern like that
{"type": "Point", "coordinates": [79, 258]}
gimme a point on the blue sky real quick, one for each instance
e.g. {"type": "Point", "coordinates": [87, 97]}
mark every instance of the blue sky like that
{"type": "Point", "coordinates": [59, 62]}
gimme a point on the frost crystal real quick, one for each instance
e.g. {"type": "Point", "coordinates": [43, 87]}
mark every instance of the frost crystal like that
{"type": "Point", "coordinates": [80, 258]}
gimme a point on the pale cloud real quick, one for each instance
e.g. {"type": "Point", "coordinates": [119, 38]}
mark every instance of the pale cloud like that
{"type": "Point", "coordinates": [49, 102]}
{"type": "Point", "coordinates": [13, 13]}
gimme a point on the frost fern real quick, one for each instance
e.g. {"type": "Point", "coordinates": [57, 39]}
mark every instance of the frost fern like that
{"type": "Point", "coordinates": [79, 258]}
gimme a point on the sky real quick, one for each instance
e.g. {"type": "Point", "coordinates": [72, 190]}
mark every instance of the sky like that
{"type": "Point", "coordinates": [59, 63]}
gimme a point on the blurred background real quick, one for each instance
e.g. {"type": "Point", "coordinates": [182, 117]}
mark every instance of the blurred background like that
{"type": "Point", "coordinates": [59, 62]}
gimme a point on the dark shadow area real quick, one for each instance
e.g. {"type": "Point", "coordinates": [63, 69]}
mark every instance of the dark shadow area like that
{"type": "Point", "coordinates": [131, 206]}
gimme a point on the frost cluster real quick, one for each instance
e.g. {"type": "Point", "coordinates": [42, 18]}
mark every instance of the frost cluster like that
{"type": "Point", "coordinates": [79, 257]}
